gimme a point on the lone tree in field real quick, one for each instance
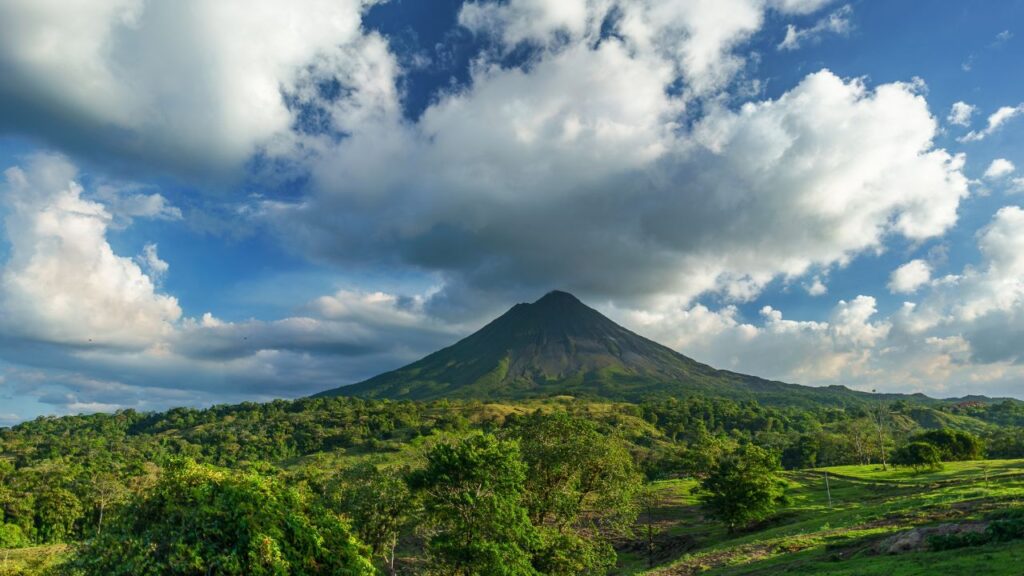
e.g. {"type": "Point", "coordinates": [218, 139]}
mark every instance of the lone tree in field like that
{"type": "Point", "coordinates": [743, 488]}
{"type": "Point", "coordinates": [202, 520]}
{"type": "Point", "coordinates": [473, 500]}
{"type": "Point", "coordinates": [918, 456]}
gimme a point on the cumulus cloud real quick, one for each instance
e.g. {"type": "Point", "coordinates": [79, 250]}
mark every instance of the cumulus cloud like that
{"type": "Point", "coordinates": [91, 330]}
{"type": "Point", "coordinates": [151, 263]}
{"type": "Point", "coordinates": [999, 168]}
{"type": "Point", "coordinates": [908, 278]}
{"type": "Point", "coordinates": [622, 138]}
{"type": "Point", "coordinates": [819, 352]}
{"type": "Point", "coordinates": [963, 335]}
{"type": "Point", "coordinates": [188, 85]}
{"type": "Point", "coordinates": [525, 178]}
{"type": "Point", "coordinates": [995, 121]}
{"type": "Point", "coordinates": [62, 281]}
{"type": "Point", "coordinates": [696, 38]}
{"type": "Point", "coordinates": [960, 114]}
{"type": "Point", "coordinates": [837, 22]}
{"type": "Point", "coordinates": [816, 287]}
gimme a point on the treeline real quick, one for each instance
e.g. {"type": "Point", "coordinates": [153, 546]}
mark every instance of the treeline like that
{"type": "Point", "coordinates": [82, 478]}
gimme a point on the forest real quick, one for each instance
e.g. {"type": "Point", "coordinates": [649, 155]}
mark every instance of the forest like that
{"type": "Point", "coordinates": [555, 486]}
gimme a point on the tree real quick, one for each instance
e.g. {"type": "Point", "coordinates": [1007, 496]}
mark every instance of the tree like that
{"type": "Point", "coordinates": [879, 416]}
{"type": "Point", "coordinates": [953, 445]}
{"type": "Point", "coordinates": [803, 453]}
{"type": "Point", "coordinates": [381, 506]}
{"type": "Point", "coordinates": [473, 500]}
{"type": "Point", "coordinates": [919, 456]}
{"type": "Point", "coordinates": [576, 472]}
{"type": "Point", "coordinates": [744, 487]}
{"type": "Point", "coordinates": [705, 452]}
{"type": "Point", "coordinates": [648, 504]}
{"type": "Point", "coordinates": [202, 520]}
{"type": "Point", "coordinates": [572, 468]}
{"type": "Point", "coordinates": [106, 489]}
{"type": "Point", "coordinates": [57, 511]}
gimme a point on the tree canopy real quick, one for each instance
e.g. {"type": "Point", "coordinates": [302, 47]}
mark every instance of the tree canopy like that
{"type": "Point", "coordinates": [201, 520]}
{"type": "Point", "coordinates": [744, 487]}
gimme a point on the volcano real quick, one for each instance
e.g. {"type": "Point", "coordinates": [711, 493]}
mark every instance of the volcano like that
{"type": "Point", "coordinates": [560, 346]}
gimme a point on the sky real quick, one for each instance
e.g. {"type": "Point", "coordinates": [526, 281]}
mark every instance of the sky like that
{"type": "Point", "coordinates": [210, 202]}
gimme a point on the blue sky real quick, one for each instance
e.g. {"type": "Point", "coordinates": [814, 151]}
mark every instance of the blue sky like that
{"type": "Point", "coordinates": [214, 203]}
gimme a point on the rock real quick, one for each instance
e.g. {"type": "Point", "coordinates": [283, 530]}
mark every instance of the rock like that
{"type": "Point", "coordinates": [917, 539]}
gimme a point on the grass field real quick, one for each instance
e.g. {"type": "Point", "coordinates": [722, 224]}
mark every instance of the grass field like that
{"type": "Point", "coordinates": [869, 505]}
{"type": "Point", "coordinates": [19, 561]}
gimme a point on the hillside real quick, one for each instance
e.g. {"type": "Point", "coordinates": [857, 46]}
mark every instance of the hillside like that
{"type": "Point", "coordinates": [558, 345]}
{"type": "Point", "coordinates": [879, 523]}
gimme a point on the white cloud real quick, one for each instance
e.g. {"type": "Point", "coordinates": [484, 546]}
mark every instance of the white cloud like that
{"type": "Point", "coordinates": [697, 38]}
{"type": "Point", "coordinates": [836, 350]}
{"type": "Point", "coordinates": [998, 284]}
{"type": "Point", "coordinates": [1016, 186]}
{"type": "Point", "coordinates": [798, 6]}
{"type": "Point", "coordinates": [150, 261]}
{"type": "Point", "coordinates": [63, 282]}
{"type": "Point", "coordinates": [837, 22]}
{"type": "Point", "coordinates": [586, 149]}
{"type": "Point", "coordinates": [91, 331]}
{"type": "Point", "coordinates": [191, 85]}
{"type": "Point", "coordinates": [995, 121]}
{"type": "Point", "coordinates": [999, 168]}
{"type": "Point", "coordinates": [908, 278]}
{"type": "Point", "coordinates": [817, 287]}
{"type": "Point", "coordinates": [960, 114]}
{"type": "Point", "coordinates": [630, 150]}
{"type": "Point", "coordinates": [125, 203]}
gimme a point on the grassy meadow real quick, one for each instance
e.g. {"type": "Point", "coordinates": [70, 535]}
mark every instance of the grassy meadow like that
{"type": "Point", "coordinates": [868, 505]}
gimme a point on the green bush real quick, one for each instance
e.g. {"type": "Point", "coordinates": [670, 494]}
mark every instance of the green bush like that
{"type": "Point", "coordinates": [918, 456]}
{"type": "Point", "coordinates": [203, 520]}
{"type": "Point", "coordinates": [11, 536]}
{"type": "Point", "coordinates": [745, 487]}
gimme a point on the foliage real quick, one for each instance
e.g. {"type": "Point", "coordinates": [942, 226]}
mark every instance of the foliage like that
{"type": "Point", "coordinates": [918, 456]}
{"type": "Point", "coordinates": [953, 445]}
{"type": "Point", "coordinates": [744, 487]}
{"type": "Point", "coordinates": [803, 453]}
{"type": "Point", "coordinates": [572, 469]}
{"type": "Point", "coordinates": [567, 553]}
{"type": "Point", "coordinates": [202, 520]}
{"type": "Point", "coordinates": [581, 490]}
{"type": "Point", "coordinates": [68, 479]}
{"type": "Point", "coordinates": [381, 507]}
{"type": "Point", "coordinates": [57, 510]}
{"type": "Point", "coordinates": [11, 536]}
{"type": "Point", "coordinates": [473, 498]}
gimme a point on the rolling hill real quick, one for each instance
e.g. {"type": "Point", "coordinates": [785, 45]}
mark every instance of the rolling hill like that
{"type": "Point", "coordinates": [559, 345]}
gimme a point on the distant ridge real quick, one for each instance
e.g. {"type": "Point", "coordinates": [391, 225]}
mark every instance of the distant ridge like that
{"type": "Point", "coordinates": [559, 345]}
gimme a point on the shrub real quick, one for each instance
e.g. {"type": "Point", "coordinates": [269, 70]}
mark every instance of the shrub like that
{"type": "Point", "coordinates": [918, 456]}
{"type": "Point", "coordinates": [744, 487]}
{"type": "Point", "coordinates": [203, 520]}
